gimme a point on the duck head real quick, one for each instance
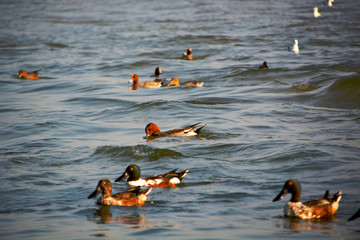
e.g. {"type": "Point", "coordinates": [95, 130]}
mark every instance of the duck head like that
{"type": "Point", "coordinates": [22, 73]}
{"type": "Point", "coordinates": [151, 128]}
{"type": "Point", "coordinates": [104, 187]}
{"type": "Point", "coordinates": [189, 51]}
{"type": "Point", "coordinates": [158, 72]}
{"type": "Point", "coordinates": [134, 79]}
{"type": "Point", "coordinates": [291, 186]}
{"type": "Point", "coordinates": [132, 173]}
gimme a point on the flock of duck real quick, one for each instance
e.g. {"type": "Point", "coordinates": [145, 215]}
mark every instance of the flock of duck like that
{"type": "Point", "coordinates": [136, 196]}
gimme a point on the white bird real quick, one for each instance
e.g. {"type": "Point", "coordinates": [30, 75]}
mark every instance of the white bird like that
{"type": "Point", "coordinates": [330, 2]}
{"type": "Point", "coordinates": [294, 48]}
{"type": "Point", "coordinates": [316, 12]}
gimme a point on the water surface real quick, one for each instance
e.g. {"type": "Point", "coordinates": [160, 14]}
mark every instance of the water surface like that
{"type": "Point", "coordinates": [81, 122]}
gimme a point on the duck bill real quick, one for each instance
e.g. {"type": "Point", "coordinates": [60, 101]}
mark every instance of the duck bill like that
{"type": "Point", "coordinates": [122, 177]}
{"type": "Point", "coordinates": [94, 194]}
{"type": "Point", "coordinates": [280, 195]}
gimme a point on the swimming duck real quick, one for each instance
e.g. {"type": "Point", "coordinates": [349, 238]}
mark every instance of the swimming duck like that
{"type": "Point", "coordinates": [170, 179]}
{"type": "Point", "coordinates": [188, 54]}
{"type": "Point", "coordinates": [32, 75]}
{"type": "Point", "coordinates": [157, 72]}
{"type": "Point", "coordinates": [355, 215]}
{"type": "Point", "coordinates": [175, 81]}
{"type": "Point", "coordinates": [132, 197]}
{"type": "Point", "coordinates": [312, 209]}
{"type": "Point", "coordinates": [146, 84]}
{"type": "Point", "coordinates": [316, 12]}
{"type": "Point", "coordinates": [264, 65]}
{"type": "Point", "coordinates": [294, 48]}
{"type": "Point", "coordinates": [154, 131]}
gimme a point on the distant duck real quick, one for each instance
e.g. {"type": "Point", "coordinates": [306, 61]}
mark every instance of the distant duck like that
{"type": "Point", "coordinates": [294, 48]}
{"type": "Point", "coordinates": [175, 81]}
{"type": "Point", "coordinates": [325, 207]}
{"type": "Point", "coordinates": [355, 215]}
{"type": "Point", "coordinates": [316, 12]}
{"type": "Point", "coordinates": [170, 179]}
{"type": "Point", "coordinates": [157, 72]}
{"type": "Point", "coordinates": [134, 196]}
{"type": "Point", "coordinates": [264, 65]}
{"type": "Point", "coordinates": [330, 3]}
{"type": "Point", "coordinates": [188, 54]}
{"type": "Point", "coordinates": [32, 75]}
{"type": "Point", "coordinates": [146, 84]}
{"type": "Point", "coordinates": [152, 130]}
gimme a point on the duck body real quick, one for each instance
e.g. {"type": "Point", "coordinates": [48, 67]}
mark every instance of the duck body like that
{"type": "Point", "coordinates": [295, 48]}
{"type": "Point", "coordinates": [152, 130]}
{"type": "Point", "coordinates": [146, 84]}
{"type": "Point", "coordinates": [32, 75]}
{"type": "Point", "coordinates": [188, 54]}
{"type": "Point", "coordinates": [322, 208]}
{"type": "Point", "coordinates": [170, 179]}
{"type": "Point", "coordinates": [132, 197]}
{"type": "Point", "coordinates": [175, 82]}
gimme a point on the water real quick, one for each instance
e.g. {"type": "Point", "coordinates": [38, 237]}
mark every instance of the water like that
{"type": "Point", "coordinates": [81, 122]}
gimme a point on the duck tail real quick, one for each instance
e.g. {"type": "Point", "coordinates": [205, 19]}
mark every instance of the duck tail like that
{"type": "Point", "coordinates": [147, 191]}
{"type": "Point", "coordinates": [199, 129]}
{"type": "Point", "coordinates": [326, 195]}
{"type": "Point", "coordinates": [182, 174]}
{"type": "Point", "coordinates": [172, 171]}
{"type": "Point", "coordinates": [337, 196]}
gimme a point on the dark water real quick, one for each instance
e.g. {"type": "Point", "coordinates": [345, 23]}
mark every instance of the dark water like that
{"type": "Point", "coordinates": [81, 122]}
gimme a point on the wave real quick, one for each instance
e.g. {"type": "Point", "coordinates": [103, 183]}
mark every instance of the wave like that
{"type": "Point", "coordinates": [137, 152]}
{"type": "Point", "coordinates": [342, 93]}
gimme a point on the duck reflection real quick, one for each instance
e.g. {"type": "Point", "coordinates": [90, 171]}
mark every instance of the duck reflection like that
{"type": "Point", "coordinates": [294, 223]}
{"type": "Point", "coordinates": [104, 216]}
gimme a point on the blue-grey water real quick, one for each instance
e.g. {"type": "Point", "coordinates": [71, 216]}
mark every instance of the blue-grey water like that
{"type": "Point", "coordinates": [81, 122]}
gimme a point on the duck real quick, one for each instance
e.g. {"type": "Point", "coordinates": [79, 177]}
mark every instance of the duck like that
{"type": "Point", "coordinates": [146, 84]}
{"type": "Point", "coordinates": [32, 75]}
{"type": "Point", "coordinates": [152, 130]}
{"type": "Point", "coordinates": [170, 179]}
{"type": "Point", "coordinates": [316, 12]}
{"type": "Point", "coordinates": [157, 72]}
{"type": "Point", "coordinates": [355, 215]}
{"type": "Point", "coordinates": [264, 65]}
{"type": "Point", "coordinates": [188, 54]}
{"type": "Point", "coordinates": [294, 48]}
{"type": "Point", "coordinates": [314, 209]}
{"type": "Point", "coordinates": [330, 3]}
{"type": "Point", "coordinates": [131, 197]}
{"type": "Point", "coordinates": [175, 81]}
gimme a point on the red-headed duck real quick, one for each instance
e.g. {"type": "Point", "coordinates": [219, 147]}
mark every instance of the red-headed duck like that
{"type": "Point", "coordinates": [131, 197]}
{"type": "Point", "coordinates": [170, 179]}
{"type": "Point", "coordinates": [32, 75]}
{"type": "Point", "coordinates": [188, 54]}
{"type": "Point", "coordinates": [322, 208]}
{"type": "Point", "coordinates": [152, 130]}
{"type": "Point", "coordinates": [175, 81]}
{"type": "Point", "coordinates": [146, 84]}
